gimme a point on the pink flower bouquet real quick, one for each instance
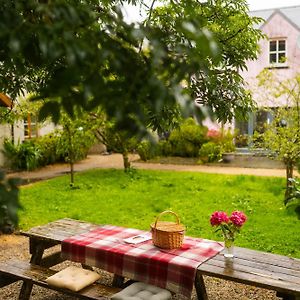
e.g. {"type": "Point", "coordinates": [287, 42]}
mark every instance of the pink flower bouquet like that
{"type": "Point", "coordinates": [229, 226]}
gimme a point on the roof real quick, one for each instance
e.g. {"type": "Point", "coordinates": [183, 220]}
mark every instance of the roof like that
{"type": "Point", "coordinates": [5, 100]}
{"type": "Point", "coordinates": [292, 13]}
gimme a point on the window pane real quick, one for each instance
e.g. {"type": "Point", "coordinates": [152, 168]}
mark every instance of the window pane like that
{"type": "Point", "coordinates": [26, 131]}
{"type": "Point", "coordinates": [281, 45]}
{"type": "Point", "coordinates": [273, 58]}
{"type": "Point", "coordinates": [272, 45]}
{"type": "Point", "coordinates": [281, 57]}
{"type": "Point", "coordinates": [261, 120]}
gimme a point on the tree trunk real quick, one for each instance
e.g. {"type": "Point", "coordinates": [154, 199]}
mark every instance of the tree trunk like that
{"type": "Point", "coordinates": [126, 161]}
{"type": "Point", "coordinates": [72, 173]}
{"type": "Point", "coordinates": [289, 174]}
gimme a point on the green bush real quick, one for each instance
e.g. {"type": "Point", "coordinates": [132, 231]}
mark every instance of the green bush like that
{"type": "Point", "coordinates": [165, 148]}
{"type": "Point", "coordinates": [34, 153]}
{"type": "Point", "coordinates": [242, 140]}
{"type": "Point", "coordinates": [23, 156]}
{"type": "Point", "coordinates": [47, 146]}
{"type": "Point", "coordinates": [227, 142]}
{"type": "Point", "coordinates": [146, 150]}
{"type": "Point", "coordinates": [210, 152]}
{"type": "Point", "coordinates": [77, 149]}
{"type": "Point", "coordinates": [292, 201]}
{"type": "Point", "coordinates": [187, 139]}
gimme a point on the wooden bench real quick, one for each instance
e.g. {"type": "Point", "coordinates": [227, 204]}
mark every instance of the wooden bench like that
{"type": "Point", "coordinates": [15, 270]}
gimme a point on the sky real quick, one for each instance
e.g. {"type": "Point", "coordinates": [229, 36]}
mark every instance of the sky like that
{"type": "Point", "coordinates": [263, 4]}
{"type": "Point", "coordinates": [133, 14]}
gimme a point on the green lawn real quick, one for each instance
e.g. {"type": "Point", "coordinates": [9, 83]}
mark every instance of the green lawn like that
{"type": "Point", "coordinates": [112, 197]}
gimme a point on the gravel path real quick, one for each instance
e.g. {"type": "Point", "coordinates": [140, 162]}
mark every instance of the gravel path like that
{"type": "Point", "coordinates": [16, 246]}
{"type": "Point", "coordinates": [115, 161]}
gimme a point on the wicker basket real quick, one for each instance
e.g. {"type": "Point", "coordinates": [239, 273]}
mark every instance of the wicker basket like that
{"type": "Point", "coordinates": [167, 235]}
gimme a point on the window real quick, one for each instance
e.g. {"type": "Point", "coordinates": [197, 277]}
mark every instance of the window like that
{"type": "Point", "coordinates": [30, 127]}
{"type": "Point", "coordinates": [277, 52]}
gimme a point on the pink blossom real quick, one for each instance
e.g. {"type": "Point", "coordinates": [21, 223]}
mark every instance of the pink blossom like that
{"type": "Point", "coordinates": [218, 217]}
{"type": "Point", "coordinates": [212, 133]}
{"type": "Point", "coordinates": [238, 218]}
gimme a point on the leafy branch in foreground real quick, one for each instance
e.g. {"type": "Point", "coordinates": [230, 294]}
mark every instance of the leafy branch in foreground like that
{"type": "Point", "coordinates": [83, 54]}
{"type": "Point", "coordinates": [293, 200]}
{"type": "Point", "coordinates": [9, 203]}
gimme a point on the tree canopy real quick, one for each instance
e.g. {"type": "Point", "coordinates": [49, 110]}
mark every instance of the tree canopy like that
{"type": "Point", "coordinates": [83, 54]}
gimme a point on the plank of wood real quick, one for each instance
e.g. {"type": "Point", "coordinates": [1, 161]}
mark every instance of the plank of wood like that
{"type": "Point", "coordinates": [37, 275]}
{"type": "Point", "coordinates": [249, 276]}
{"type": "Point", "coordinates": [265, 267]}
{"type": "Point", "coordinates": [272, 259]}
{"type": "Point", "coordinates": [59, 230]}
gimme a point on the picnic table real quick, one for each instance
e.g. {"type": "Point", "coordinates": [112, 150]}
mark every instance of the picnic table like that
{"type": "Point", "coordinates": [256, 268]}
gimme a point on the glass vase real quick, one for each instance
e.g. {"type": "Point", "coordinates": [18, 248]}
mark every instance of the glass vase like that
{"type": "Point", "coordinates": [228, 248]}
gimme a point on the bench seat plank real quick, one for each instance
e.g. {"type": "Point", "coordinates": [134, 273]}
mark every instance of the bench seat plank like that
{"type": "Point", "coordinates": [20, 270]}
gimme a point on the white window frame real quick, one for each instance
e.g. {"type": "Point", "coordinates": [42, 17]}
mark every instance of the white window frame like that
{"type": "Point", "coordinates": [277, 52]}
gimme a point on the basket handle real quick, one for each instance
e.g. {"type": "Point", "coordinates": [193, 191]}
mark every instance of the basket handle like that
{"type": "Point", "coordinates": [166, 212]}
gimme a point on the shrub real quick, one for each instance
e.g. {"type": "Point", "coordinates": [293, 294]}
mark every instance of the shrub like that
{"type": "Point", "coordinates": [242, 140]}
{"type": "Point", "coordinates": [292, 201]}
{"type": "Point", "coordinates": [187, 139]}
{"type": "Point", "coordinates": [227, 142]}
{"type": "Point", "coordinates": [210, 152]}
{"type": "Point", "coordinates": [33, 153]}
{"type": "Point", "coordinates": [146, 150]}
{"type": "Point", "coordinates": [214, 135]}
{"type": "Point", "coordinates": [47, 146]}
{"type": "Point", "coordinates": [165, 148]}
{"type": "Point", "coordinates": [73, 143]}
{"type": "Point", "coordinates": [24, 156]}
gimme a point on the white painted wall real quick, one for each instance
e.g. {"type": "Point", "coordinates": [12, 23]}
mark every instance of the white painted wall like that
{"type": "Point", "coordinates": [5, 132]}
{"type": "Point", "coordinates": [18, 133]}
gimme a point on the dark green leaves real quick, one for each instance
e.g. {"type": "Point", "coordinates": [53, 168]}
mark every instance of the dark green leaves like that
{"type": "Point", "coordinates": [9, 203]}
{"type": "Point", "coordinates": [83, 54]}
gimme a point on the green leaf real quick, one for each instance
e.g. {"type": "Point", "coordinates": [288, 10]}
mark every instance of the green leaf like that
{"type": "Point", "coordinates": [50, 108]}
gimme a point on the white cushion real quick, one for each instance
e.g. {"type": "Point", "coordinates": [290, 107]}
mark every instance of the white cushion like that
{"type": "Point", "coordinates": [73, 278]}
{"type": "Point", "coordinates": [142, 291]}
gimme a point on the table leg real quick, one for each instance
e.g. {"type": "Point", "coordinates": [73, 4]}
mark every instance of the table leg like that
{"type": "Point", "coordinates": [286, 296]}
{"type": "Point", "coordinates": [87, 267]}
{"type": "Point", "coordinates": [200, 287]}
{"type": "Point", "coordinates": [37, 252]}
{"type": "Point", "coordinates": [25, 291]}
{"type": "Point", "coordinates": [118, 281]}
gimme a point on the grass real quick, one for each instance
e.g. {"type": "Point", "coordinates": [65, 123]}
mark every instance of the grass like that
{"type": "Point", "coordinates": [134, 200]}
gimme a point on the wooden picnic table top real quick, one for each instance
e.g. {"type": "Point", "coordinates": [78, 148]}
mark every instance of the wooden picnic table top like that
{"type": "Point", "coordinates": [251, 267]}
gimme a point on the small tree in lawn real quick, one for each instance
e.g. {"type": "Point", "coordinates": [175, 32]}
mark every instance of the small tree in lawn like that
{"type": "Point", "coordinates": [282, 136]}
{"type": "Point", "coordinates": [75, 140]}
{"type": "Point", "coordinates": [115, 139]}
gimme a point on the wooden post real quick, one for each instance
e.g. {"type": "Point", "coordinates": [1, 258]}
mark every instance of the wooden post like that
{"type": "Point", "coordinates": [200, 287]}
{"type": "Point", "coordinates": [37, 251]}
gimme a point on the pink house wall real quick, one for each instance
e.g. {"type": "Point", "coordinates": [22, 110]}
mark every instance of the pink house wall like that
{"type": "Point", "coordinates": [277, 26]}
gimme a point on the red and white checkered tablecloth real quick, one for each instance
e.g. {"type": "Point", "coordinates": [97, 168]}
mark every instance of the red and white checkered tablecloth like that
{"type": "Point", "coordinates": [174, 269]}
